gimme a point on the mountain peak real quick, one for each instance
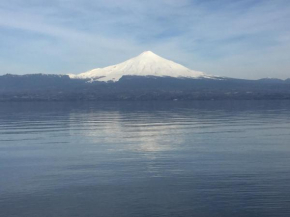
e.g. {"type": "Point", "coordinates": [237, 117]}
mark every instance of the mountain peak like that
{"type": "Point", "coordinates": [146, 64]}
{"type": "Point", "coordinates": [148, 53]}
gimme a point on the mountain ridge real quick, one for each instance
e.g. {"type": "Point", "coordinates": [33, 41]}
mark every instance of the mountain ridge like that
{"type": "Point", "coordinates": [145, 64]}
{"type": "Point", "coordinates": [145, 77]}
{"type": "Point", "coordinates": [42, 87]}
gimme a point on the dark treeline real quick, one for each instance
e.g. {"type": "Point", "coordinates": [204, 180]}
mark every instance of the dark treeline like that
{"type": "Point", "coordinates": [41, 87]}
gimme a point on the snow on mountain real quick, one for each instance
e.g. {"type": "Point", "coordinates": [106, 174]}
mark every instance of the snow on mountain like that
{"type": "Point", "coordinates": [146, 64]}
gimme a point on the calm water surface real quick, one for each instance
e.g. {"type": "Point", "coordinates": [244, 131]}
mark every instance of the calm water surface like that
{"type": "Point", "coordinates": [145, 159]}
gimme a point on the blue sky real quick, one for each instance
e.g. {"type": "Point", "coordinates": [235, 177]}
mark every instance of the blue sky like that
{"type": "Point", "coordinates": [235, 38]}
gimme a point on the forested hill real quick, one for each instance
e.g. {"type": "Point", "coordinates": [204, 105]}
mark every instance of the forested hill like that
{"type": "Point", "coordinates": [41, 87]}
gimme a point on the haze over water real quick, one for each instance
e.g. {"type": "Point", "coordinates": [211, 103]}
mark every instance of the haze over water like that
{"type": "Point", "coordinates": [217, 158]}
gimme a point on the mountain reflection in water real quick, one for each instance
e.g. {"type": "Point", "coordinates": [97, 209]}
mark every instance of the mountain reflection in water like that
{"type": "Point", "coordinates": [218, 158]}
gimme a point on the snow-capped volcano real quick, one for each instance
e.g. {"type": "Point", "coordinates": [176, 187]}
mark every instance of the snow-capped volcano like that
{"type": "Point", "coordinates": [146, 64]}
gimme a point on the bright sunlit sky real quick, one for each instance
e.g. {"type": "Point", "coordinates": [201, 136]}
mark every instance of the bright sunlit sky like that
{"type": "Point", "coordinates": [234, 38]}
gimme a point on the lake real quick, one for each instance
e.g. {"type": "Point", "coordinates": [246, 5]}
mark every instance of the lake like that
{"type": "Point", "coordinates": [145, 159]}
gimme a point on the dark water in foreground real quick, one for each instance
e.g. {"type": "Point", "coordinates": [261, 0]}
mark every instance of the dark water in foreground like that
{"type": "Point", "coordinates": [145, 159]}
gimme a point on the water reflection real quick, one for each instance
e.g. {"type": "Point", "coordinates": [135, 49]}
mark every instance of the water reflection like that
{"type": "Point", "coordinates": [137, 132]}
{"type": "Point", "coordinates": [145, 159]}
